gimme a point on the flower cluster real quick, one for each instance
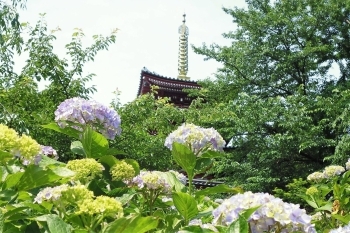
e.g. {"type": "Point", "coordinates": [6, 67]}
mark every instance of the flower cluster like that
{"type": "Point", "coordinates": [50, 194]}
{"type": "Point", "coordinates": [197, 138]}
{"type": "Point", "coordinates": [49, 152]}
{"type": "Point", "coordinates": [22, 147]}
{"type": "Point", "coordinates": [85, 169]}
{"type": "Point", "coordinates": [76, 194]}
{"type": "Point", "coordinates": [181, 177]}
{"type": "Point", "coordinates": [122, 171]}
{"type": "Point", "coordinates": [8, 138]}
{"type": "Point", "coordinates": [329, 172]}
{"type": "Point", "coordinates": [151, 181]}
{"type": "Point", "coordinates": [104, 205]}
{"type": "Point", "coordinates": [347, 165]}
{"type": "Point", "coordinates": [272, 213]}
{"type": "Point", "coordinates": [77, 112]}
{"type": "Point", "coordinates": [344, 229]}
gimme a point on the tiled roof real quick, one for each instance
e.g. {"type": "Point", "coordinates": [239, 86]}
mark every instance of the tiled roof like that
{"type": "Point", "coordinates": [172, 84]}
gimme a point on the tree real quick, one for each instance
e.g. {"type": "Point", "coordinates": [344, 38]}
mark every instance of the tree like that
{"type": "Point", "coordinates": [146, 122]}
{"type": "Point", "coordinates": [23, 107]}
{"type": "Point", "coordinates": [277, 82]}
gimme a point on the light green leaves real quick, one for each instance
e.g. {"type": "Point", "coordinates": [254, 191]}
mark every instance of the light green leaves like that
{"type": "Point", "coordinates": [186, 205]}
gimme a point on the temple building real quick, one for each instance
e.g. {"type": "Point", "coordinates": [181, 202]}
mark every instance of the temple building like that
{"type": "Point", "coordinates": [172, 87]}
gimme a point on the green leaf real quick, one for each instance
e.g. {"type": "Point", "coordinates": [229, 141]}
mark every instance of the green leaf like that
{"type": "Point", "coordinates": [211, 154]}
{"type": "Point", "coordinates": [202, 165]}
{"type": "Point", "coordinates": [95, 144]}
{"type": "Point", "coordinates": [12, 180]}
{"type": "Point", "coordinates": [327, 207]}
{"type": "Point", "coordinates": [67, 131]}
{"type": "Point", "coordinates": [345, 219]}
{"type": "Point", "coordinates": [35, 176]}
{"type": "Point", "coordinates": [239, 226]}
{"type": "Point", "coordinates": [57, 225]}
{"type": "Point", "coordinates": [109, 160]}
{"type": "Point", "coordinates": [186, 205]}
{"type": "Point", "coordinates": [184, 157]}
{"type": "Point", "coordinates": [77, 148]}
{"type": "Point", "coordinates": [132, 225]}
{"type": "Point", "coordinates": [221, 188]}
{"type": "Point", "coordinates": [4, 156]}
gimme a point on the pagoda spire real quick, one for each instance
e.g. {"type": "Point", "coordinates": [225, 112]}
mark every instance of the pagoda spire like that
{"type": "Point", "coordinates": [183, 51]}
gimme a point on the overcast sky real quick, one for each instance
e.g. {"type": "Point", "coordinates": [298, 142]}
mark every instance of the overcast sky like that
{"type": "Point", "coordinates": [147, 37]}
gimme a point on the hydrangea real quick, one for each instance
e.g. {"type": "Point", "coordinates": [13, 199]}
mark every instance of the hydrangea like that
{"type": "Point", "coordinates": [122, 171]}
{"type": "Point", "coordinates": [50, 194]}
{"type": "Point", "coordinates": [27, 149]}
{"type": "Point", "coordinates": [102, 205]}
{"type": "Point", "coordinates": [151, 181]}
{"type": "Point", "coordinates": [76, 112]}
{"type": "Point", "coordinates": [332, 171]}
{"type": "Point", "coordinates": [272, 212]}
{"type": "Point", "coordinates": [328, 172]}
{"type": "Point", "coordinates": [49, 152]}
{"type": "Point", "coordinates": [76, 194]}
{"type": "Point", "coordinates": [8, 138]}
{"type": "Point", "coordinates": [197, 138]}
{"type": "Point", "coordinates": [85, 169]}
{"type": "Point", "coordinates": [311, 191]}
{"type": "Point", "coordinates": [181, 177]}
{"type": "Point", "coordinates": [344, 229]}
{"type": "Point", "coordinates": [347, 165]}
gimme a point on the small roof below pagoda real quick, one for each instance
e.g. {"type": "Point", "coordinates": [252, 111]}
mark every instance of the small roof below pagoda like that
{"type": "Point", "coordinates": [168, 87]}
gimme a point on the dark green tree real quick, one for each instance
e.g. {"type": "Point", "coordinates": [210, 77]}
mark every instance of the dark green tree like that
{"type": "Point", "coordinates": [278, 81]}
{"type": "Point", "coordinates": [25, 108]}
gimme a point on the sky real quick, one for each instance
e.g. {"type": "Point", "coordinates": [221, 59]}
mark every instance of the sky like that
{"type": "Point", "coordinates": [147, 37]}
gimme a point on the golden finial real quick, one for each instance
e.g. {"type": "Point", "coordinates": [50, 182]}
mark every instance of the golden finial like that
{"type": "Point", "coordinates": [183, 50]}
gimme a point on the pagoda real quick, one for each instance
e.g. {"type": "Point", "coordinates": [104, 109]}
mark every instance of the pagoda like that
{"type": "Point", "coordinates": [172, 88]}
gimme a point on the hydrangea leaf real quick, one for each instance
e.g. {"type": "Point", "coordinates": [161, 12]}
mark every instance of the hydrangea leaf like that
{"type": "Point", "coordinates": [239, 226]}
{"type": "Point", "coordinates": [184, 157]}
{"type": "Point", "coordinates": [67, 131]}
{"type": "Point", "coordinates": [109, 160]}
{"type": "Point", "coordinates": [132, 225]}
{"type": "Point", "coordinates": [4, 156]}
{"type": "Point", "coordinates": [35, 176]}
{"type": "Point", "coordinates": [12, 180]}
{"type": "Point", "coordinates": [57, 225]}
{"type": "Point", "coordinates": [186, 205]}
{"type": "Point", "coordinates": [202, 165]}
{"type": "Point", "coordinates": [211, 154]}
{"type": "Point", "coordinates": [95, 145]}
{"type": "Point", "coordinates": [77, 148]}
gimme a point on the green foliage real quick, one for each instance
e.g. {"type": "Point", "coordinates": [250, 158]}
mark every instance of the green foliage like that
{"type": "Point", "coordinates": [291, 192]}
{"type": "Point", "coordinates": [276, 98]}
{"type": "Point", "coordinates": [146, 122]}
{"type": "Point", "coordinates": [23, 106]}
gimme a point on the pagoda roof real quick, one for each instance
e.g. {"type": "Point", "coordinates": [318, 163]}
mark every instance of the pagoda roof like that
{"type": "Point", "coordinates": [172, 84]}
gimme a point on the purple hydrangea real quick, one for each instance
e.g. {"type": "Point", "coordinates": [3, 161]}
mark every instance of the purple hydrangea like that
{"type": "Point", "coordinates": [49, 152]}
{"type": "Point", "coordinates": [150, 181]}
{"type": "Point", "coordinates": [77, 112]}
{"type": "Point", "coordinates": [197, 138]}
{"type": "Point", "coordinates": [344, 229]}
{"type": "Point", "coordinates": [272, 213]}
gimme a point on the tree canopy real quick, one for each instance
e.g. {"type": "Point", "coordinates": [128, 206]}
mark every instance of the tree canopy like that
{"type": "Point", "coordinates": [23, 107]}
{"type": "Point", "coordinates": [284, 78]}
